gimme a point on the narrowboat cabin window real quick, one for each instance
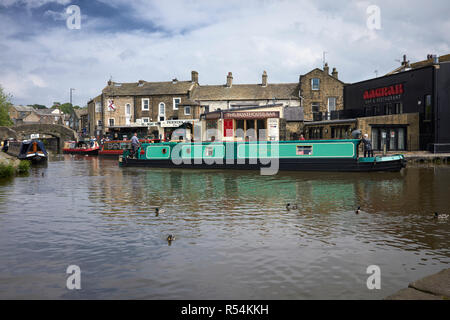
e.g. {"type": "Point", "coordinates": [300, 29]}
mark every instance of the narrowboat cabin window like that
{"type": "Point", "coordinates": [209, 151]}
{"type": "Point", "coordinates": [304, 150]}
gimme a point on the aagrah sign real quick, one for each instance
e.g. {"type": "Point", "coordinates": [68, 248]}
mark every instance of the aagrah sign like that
{"type": "Point", "coordinates": [251, 115]}
{"type": "Point", "coordinates": [395, 90]}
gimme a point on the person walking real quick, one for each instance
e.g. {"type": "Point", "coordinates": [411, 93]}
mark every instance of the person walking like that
{"type": "Point", "coordinates": [368, 152]}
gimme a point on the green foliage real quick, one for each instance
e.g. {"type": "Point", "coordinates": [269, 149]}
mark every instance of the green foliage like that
{"type": "Point", "coordinates": [5, 104]}
{"type": "Point", "coordinates": [24, 167]}
{"type": "Point", "coordinates": [6, 170]}
{"type": "Point", "coordinates": [67, 108]}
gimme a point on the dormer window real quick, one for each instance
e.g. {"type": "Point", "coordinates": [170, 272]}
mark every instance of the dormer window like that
{"type": "Point", "coordinates": [315, 84]}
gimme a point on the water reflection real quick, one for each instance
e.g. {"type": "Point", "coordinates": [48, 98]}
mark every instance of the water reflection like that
{"type": "Point", "coordinates": [234, 237]}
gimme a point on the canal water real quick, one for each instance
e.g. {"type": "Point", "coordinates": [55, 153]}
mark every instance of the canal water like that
{"type": "Point", "coordinates": [234, 238]}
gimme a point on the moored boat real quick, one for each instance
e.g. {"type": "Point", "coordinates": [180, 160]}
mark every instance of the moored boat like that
{"type": "Point", "coordinates": [32, 150]}
{"type": "Point", "coordinates": [116, 147]}
{"type": "Point", "coordinates": [81, 147]}
{"type": "Point", "coordinates": [312, 155]}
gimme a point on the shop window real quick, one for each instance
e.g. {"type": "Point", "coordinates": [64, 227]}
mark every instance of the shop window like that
{"type": "Point", "coordinates": [375, 133]}
{"type": "Point", "coordinates": [401, 139]}
{"type": "Point", "coordinates": [261, 129]}
{"type": "Point", "coordinates": [398, 108]}
{"type": "Point", "coordinates": [392, 139]}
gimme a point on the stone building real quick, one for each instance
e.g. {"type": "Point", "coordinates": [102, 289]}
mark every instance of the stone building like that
{"type": "Point", "coordinates": [18, 113]}
{"type": "Point", "coordinates": [150, 108]}
{"type": "Point", "coordinates": [44, 116]}
{"type": "Point", "coordinates": [321, 94]}
{"type": "Point", "coordinates": [407, 109]}
{"type": "Point", "coordinates": [230, 95]}
{"type": "Point", "coordinates": [274, 107]}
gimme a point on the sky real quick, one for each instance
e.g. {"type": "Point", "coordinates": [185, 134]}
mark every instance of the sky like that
{"type": "Point", "coordinates": [44, 53]}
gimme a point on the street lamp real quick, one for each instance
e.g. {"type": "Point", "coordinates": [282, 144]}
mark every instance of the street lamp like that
{"type": "Point", "coordinates": [71, 95]}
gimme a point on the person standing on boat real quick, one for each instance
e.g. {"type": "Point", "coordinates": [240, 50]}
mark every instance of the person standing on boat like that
{"type": "Point", "coordinates": [368, 152]}
{"type": "Point", "coordinates": [134, 144]}
{"type": "Point", "coordinates": [302, 137]}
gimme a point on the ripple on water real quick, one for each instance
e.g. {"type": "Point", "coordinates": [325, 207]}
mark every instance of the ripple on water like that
{"type": "Point", "coordinates": [234, 237]}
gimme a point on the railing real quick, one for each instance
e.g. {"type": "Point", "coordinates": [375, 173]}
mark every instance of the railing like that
{"type": "Point", "coordinates": [338, 115]}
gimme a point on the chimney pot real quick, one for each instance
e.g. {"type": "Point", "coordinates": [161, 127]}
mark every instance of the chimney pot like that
{"type": "Point", "coordinates": [264, 79]}
{"type": "Point", "coordinates": [229, 79]}
{"type": "Point", "coordinates": [326, 69]}
{"type": "Point", "coordinates": [334, 74]}
{"type": "Point", "coordinates": [194, 76]}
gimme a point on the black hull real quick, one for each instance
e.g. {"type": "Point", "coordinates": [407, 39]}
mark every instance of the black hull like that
{"type": "Point", "coordinates": [35, 159]}
{"type": "Point", "coordinates": [346, 165]}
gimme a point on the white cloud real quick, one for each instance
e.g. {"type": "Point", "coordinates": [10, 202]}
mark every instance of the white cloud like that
{"type": "Point", "coordinates": [286, 38]}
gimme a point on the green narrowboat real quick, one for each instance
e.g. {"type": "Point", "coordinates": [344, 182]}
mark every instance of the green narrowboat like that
{"type": "Point", "coordinates": [309, 155]}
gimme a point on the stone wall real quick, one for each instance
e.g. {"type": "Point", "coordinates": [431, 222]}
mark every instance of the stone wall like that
{"type": "Point", "coordinates": [409, 119]}
{"type": "Point", "coordinates": [294, 129]}
{"type": "Point", "coordinates": [329, 87]}
{"type": "Point", "coordinates": [170, 112]}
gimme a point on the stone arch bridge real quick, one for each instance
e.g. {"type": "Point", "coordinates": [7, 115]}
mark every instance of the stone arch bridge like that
{"type": "Point", "coordinates": [62, 133]}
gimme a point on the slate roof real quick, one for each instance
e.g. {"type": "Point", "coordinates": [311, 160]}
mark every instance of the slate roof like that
{"type": "Point", "coordinates": [144, 88]}
{"type": "Point", "coordinates": [23, 108]}
{"type": "Point", "coordinates": [279, 91]}
{"type": "Point", "coordinates": [420, 64]}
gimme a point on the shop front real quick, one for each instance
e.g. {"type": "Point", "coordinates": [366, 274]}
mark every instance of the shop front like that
{"type": "Point", "coordinates": [241, 125]}
{"type": "Point", "coordinates": [421, 92]}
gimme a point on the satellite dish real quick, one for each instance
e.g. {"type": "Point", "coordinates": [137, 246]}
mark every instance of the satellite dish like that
{"type": "Point", "coordinates": [356, 134]}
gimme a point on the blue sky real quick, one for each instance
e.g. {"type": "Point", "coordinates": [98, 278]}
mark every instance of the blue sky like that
{"type": "Point", "coordinates": [41, 59]}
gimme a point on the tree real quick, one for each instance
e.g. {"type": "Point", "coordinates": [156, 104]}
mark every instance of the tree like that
{"type": "Point", "coordinates": [66, 108]}
{"type": "Point", "coordinates": [5, 104]}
